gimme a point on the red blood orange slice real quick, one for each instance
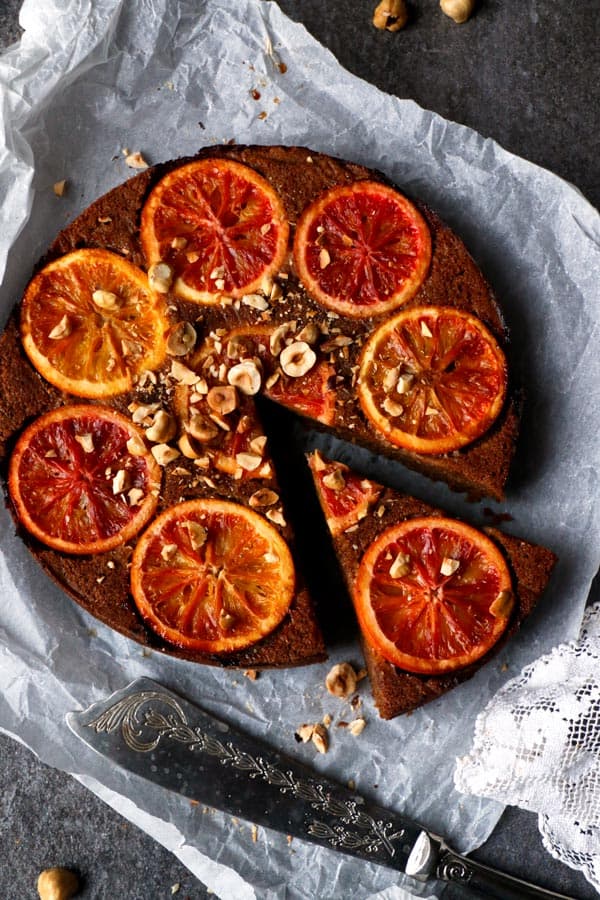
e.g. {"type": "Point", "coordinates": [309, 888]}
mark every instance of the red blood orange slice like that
{"type": "Point", "coordinates": [362, 249]}
{"type": "Point", "coordinates": [212, 576]}
{"type": "Point", "coordinates": [219, 225]}
{"type": "Point", "coordinates": [90, 323]}
{"type": "Point", "coordinates": [433, 595]}
{"type": "Point", "coordinates": [82, 479]}
{"type": "Point", "coordinates": [432, 379]}
{"type": "Point", "coordinates": [345, 497]}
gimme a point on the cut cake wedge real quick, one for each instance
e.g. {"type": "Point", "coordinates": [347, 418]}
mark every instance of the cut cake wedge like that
{"type": "Point", "coordinates": [358, 512]}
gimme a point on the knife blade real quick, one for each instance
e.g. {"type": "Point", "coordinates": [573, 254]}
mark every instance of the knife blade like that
{"type": "Point", "coordinates": [161, 737]}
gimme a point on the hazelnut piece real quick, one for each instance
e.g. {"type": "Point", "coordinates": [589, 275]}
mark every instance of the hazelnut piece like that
{"type": "Point", "coordinates": [391, 15]}
{"type": "Point", "coordinates": [160, 277]}
{"type": "Point", "coordinates": [458, 10]}
{"type": "Point", "coordinates": [297, 359]}
{"type": "Point", "coordinates": [245, 376]}
{"type": "Point", "coordinates": [222, 399]}
{"type": "Point", "coordinates": [163, 428]}
{"type": "Point", "coordinates": [341, 680]}
{"type": "Point", "coordinates": [181, 339]}
{"type": "Point", "coordinates": [201, 429]}
{"type": "Point", "coordinates": [57, 884]}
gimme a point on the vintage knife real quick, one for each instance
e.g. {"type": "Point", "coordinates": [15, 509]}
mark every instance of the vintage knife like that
{"type": "Point", "coordinates": [163, 738]}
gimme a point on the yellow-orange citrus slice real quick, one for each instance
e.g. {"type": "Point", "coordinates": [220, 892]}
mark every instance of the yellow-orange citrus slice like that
{"type": "Point", "coordinates": [220, 226]}
{"type": "Point", "coordinates": [82, 479]}
{"type": "Point", "coordinates": [362, 249]}
{"type": "Point", "coordinates": [345, 497]}
{"type": "Point", "coordinates": [432, 379]}
{"type": "Point", "coordinates": [433, 595]}
{"type": "Point", "coordinates": [90, 323]}
{"type": "Point", "coordinates": [212, 576]}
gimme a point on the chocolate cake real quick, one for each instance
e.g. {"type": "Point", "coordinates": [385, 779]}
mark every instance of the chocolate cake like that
{"type": "Point", "coordinates": [298, 176]}
{"type": "Point", "coordinates": [396, 691]}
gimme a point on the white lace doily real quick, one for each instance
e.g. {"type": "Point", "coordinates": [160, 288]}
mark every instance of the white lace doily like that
{"type": "Point", "coordinates": [537, 745]}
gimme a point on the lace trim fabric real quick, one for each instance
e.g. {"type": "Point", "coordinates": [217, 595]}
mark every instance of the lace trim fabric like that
{"type": "Point", "coordinates": [537, 745]}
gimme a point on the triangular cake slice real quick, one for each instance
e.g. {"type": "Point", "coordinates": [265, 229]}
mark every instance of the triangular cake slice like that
{"type": "Point", "coordinates": [359, 512]}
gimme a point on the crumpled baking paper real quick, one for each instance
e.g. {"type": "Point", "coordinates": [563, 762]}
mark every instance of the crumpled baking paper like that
{"type": "Point", "coordinates": [164, 77]}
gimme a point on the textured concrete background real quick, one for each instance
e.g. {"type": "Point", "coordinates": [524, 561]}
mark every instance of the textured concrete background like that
{"type": "Point", "coordinates": [525, 74]}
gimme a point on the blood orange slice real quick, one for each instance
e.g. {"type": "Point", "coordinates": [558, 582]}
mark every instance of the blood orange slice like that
{"type": "Point", "coordinates": [432, 379]}
{"type": "Point", "coordinates": [212, 576]}
{"type": "Point", "coordinates": [82, 480]}
{"type": "Point", "coordinates": [219, 225]}
{"type": "Point", "coordinates": [362, 249]}
{"type": "Point", "coordinates": [90, 323]}
{"type": "Point", "coordinates": [433, 595]}
{"type": "Point", "coordinates": [345, 497]}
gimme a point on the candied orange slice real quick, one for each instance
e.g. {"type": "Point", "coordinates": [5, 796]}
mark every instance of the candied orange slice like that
{"type": "Point", "coordinates": [433, 595]}
{"type": "Point", "coordinates": [212, 576]}
{"type": "Point", "coordinates": [82, 479]}
{"type": "Point", "coordinates": [362, 249]}
{"type": "Point", "coordinates": [432, 379]}
{"type": "Point", "coordinates": [219, 225]}
{"type": "Point", "coordinates": [345, 497]}
{"type": "Point", "coordinates": [90, 323]}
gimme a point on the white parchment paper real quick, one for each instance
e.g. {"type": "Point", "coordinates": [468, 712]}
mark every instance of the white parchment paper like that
{"type": "Point", "coordinates": [166, 77]}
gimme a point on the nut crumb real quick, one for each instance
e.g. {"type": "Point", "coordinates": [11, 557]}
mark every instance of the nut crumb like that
{"type": "Point", "coordinates": [59, 187]}
{"type": "Point", "coordinates": [254, 832]}
{"type": "Point", "coordinates": [304, 733]}
{"type": "Point", "coordinates": [357, 726]}
{"type": "Point", "coordinates": [320, 738]}
{"type": "Point", "coordinates": [136, 160]}
{"type": "Point", "coordinates": [252, 674]}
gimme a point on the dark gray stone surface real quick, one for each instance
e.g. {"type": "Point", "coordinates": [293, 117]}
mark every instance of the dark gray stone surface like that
{"type": "Point", "coordinates": [525, 74]}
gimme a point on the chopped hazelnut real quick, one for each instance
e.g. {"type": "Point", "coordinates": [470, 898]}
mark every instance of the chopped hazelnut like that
{"type": "Point", "coordinates": [163, 428]}
{"type": "Point", "coordinates": [263, 497]}
{"type": "Point", "coordinates": [120, 482]}
{"type": "Point", "coordinates": [391, 408]}
{"type": "Point", "coordinates": [324, 258]}
{"type": "Point", "coordinates": [248, 461]}
{"type": "Point", "coordinates": [297, 359]}
{"type": "Point", "coordinates": [135, 495]}
{"type": "Point", "coordinates": [106, 300]}
{"type": "Point", "coordinates": [425, 331]}
{"type": "Point", "coordinates": [357, 726]}
{"type": "Point", "coordinates": [168, 551]}
{"type": "Point", "coordinates": [341, 680]}
{"type": "Point", "coordinates": [163, 454]}
{"type": "Point", "coordinates": [400, 566]}
{"type": "Point", "coordinates": [202, 429]}
{"type": "Point", "coordinates": [198, 534]}
{"type": "Point", "coordinates": [310, 333]}
{"type": "Point", "coordinates": [86, 440]}
{"type": "Point", "coordinates": [278, 336]}
{"type": "Point", "coordinates": [62, 330]}
{"type": "Point", "coordinates": [245, 376]}
{"type": "Point", "coordinates": [258, 444]}
{"type": "Point", "coordinates": [136, 160]}
{"type": "Point", "coordinates": [502, 604]}
{"type": "Point", "coordinates": [181, 339]}
{"type": "Point", "coordinates": [59, 187]}
{"type": "Point", "coordinates": [320, 738]}
{"type": "Point", "coordinates": [276, 516]}
{"type": "Point", "coordinates": [255, 301]}
{"type": "Point", "coordinates": [405, 382]}
{"type": "Point", "coordinates": [160, 277]}
{"type": "Point", "coordinates": [334, 480]}
{"type": "Point", "coordinates": [222, 399]}
{"type": "Point", "coordinates": [136, 446]}
{"type": "Point", "coordinates": [449, 566]}
{"type": "Point", "coordinates": [305, 732]}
